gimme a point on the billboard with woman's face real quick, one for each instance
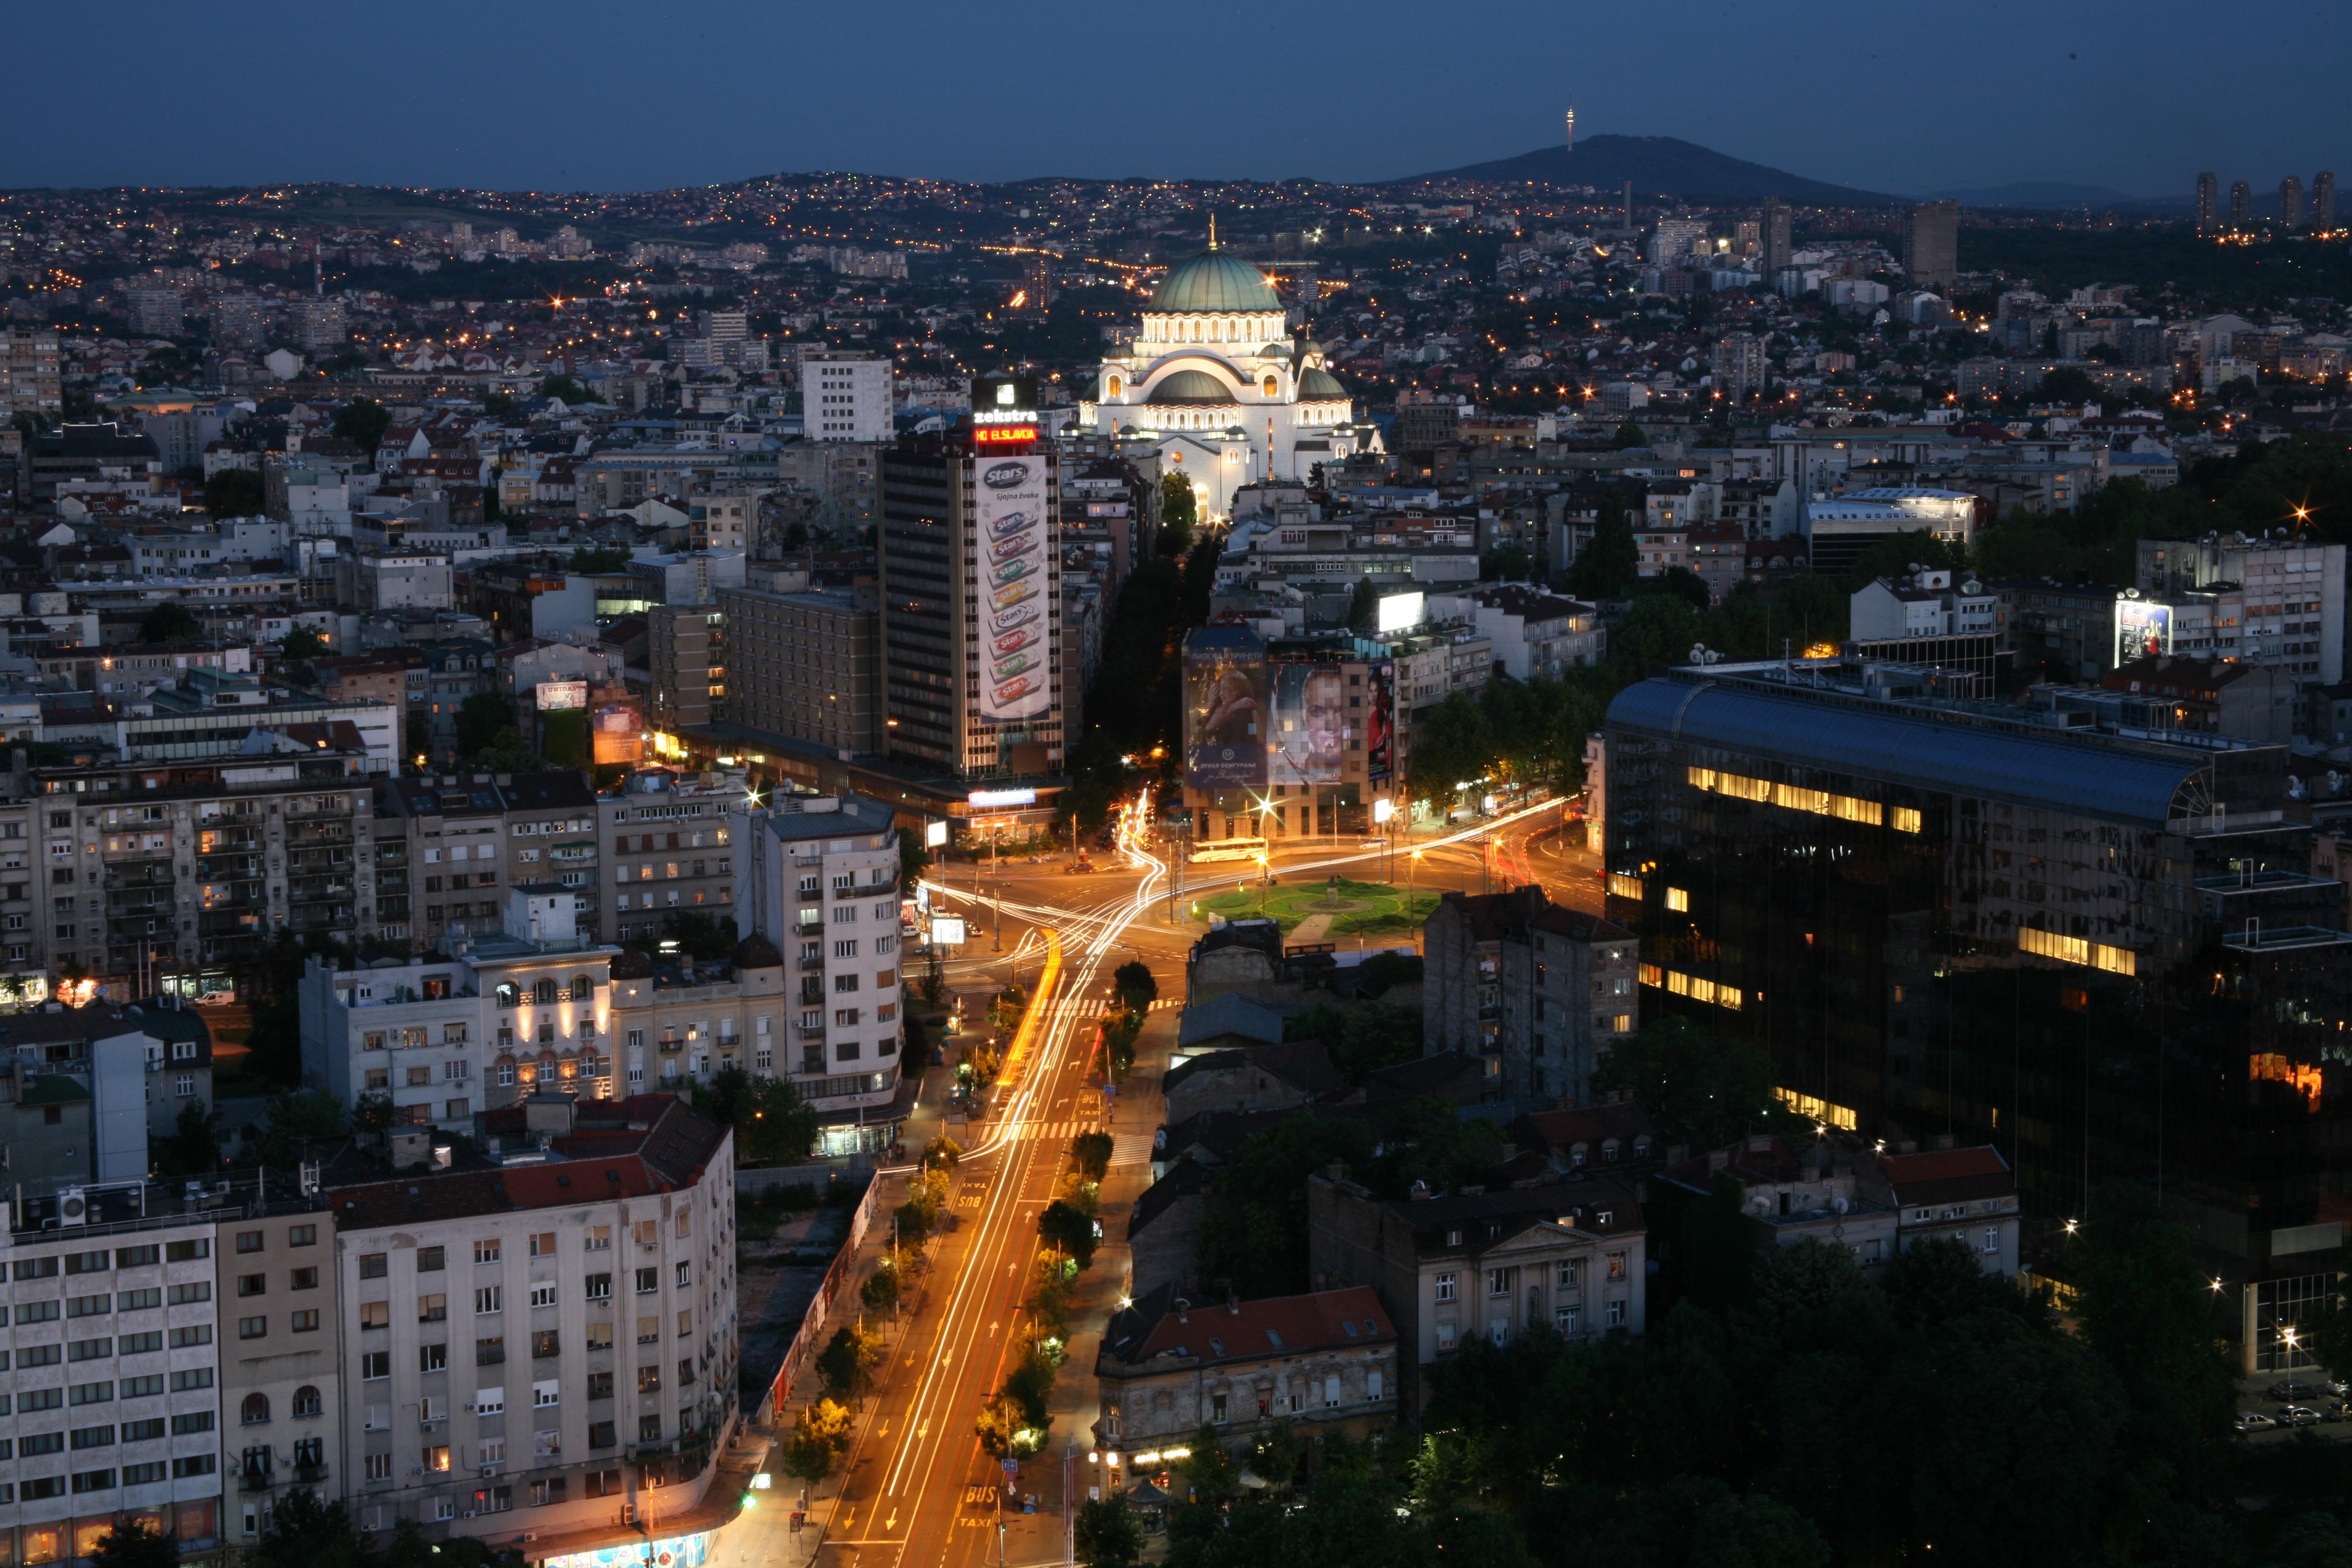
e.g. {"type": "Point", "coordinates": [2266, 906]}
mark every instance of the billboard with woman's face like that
{"type": "Point", "coordinates": [1225, 713]}
{"type": "Point", "coordinates": [1310, 724]}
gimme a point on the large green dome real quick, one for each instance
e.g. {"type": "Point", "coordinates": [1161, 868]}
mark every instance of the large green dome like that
{"type": "Point", "coordinates": [1214, 283]}
{"type": "Point", "coordinates": [1191, 386]}
{"type": "Point", "coordinates": [1320, 385]}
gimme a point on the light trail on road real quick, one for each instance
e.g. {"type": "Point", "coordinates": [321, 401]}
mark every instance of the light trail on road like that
{"type": "Point", "coordinates": [934, 1439]}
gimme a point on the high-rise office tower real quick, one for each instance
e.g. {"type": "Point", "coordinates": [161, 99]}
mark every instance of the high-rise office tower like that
{"type": "Point", "coordinates": [2323, 201]}
{"type": "Point", "coordinates": [1931, 245]}
{"type": "Point", "coordinates": [1775, 236]}
{"type": "Point", "coordinates": [845, 395]}
{"type": "Point", "coordinates": [2241, 205]}
{"type": "Point", "coordinates": [2291, 203]}
{"type": "Point", "coordinates": [971, 588]}
{"type": "Point", "coordinates": [2206, 187]}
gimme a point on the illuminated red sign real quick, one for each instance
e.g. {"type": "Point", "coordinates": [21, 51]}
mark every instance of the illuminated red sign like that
{"type": "Point", "coordinates": [1003, 435]}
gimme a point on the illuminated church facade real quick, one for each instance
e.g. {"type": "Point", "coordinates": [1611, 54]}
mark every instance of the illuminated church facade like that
{"type": "Point", "coordinates": [1213, 379]}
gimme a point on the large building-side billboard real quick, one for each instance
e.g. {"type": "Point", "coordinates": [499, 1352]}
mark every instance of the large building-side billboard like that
{"type": "Point", "coordinates": [2143, 630]}
{"type": "Point", "coordinates": [1013, 539]}
{"type": "Point", "coordinates": [1225, 708]}
{"type": "Point", "coordinates": [1379, 723]}
{"type": "Point", "coordinates": [1310, 724]}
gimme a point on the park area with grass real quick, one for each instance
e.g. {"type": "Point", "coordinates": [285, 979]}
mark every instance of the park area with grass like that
{"type": "Point", "coordinates": [1325, 907]}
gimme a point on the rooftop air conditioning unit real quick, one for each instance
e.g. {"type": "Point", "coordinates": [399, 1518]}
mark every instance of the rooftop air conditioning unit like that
{"type": "Point", "coordinates": [467, 1513]}
{"type": "Point", "coordinates": [73, 1208]}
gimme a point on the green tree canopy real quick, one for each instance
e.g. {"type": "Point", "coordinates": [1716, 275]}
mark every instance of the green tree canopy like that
{"type": "Point", "coordinates": [482, 719]}
{"type": "Point", "coordinates": [132, 1544]}
{"type": "Point", "coordinates": [1610, 563]}
{"type": "Point", "coordinates": [169, 622]}
{"type": "Point", "coordinates": [1180, 513]}
{"type": "Point", "coordinates": [235, 493]}
{"type": "Point", "coordinates": [363, 422]}
{"type": "Point", "coordinates": [1700, 1087]}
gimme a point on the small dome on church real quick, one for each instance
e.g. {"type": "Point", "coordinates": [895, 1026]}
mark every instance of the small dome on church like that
{"type": "Point", "coordinates": [1317, 386]}
{"type": "Point", "coordinates": [1274, 350]}
{"type": "Point", "coordinates": [1212, 283]}
{"type": "Point", "coordinates": [756, 952]}
{"type": "Point", "coordinates": [1191, 386]}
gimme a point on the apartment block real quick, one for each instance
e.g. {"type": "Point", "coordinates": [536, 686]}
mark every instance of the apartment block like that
{"type": "Point", "coordinates": [114, 1371]}
{"type": "Point", "coordinates": [526, 1007]}
{"type": "Point", "coordinates": [806, 665]}
{"type": "Point", "coordinates": [527, 1345]}
{"type": "Point", "coordinates": [666, 840]}
{"type": "Point", "coordinates": [1540, 991]}
{"type": "Point", "coordinates": [818, 878]}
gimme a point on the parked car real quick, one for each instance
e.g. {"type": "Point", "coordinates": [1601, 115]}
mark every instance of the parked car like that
{"type": "Point", "coordinates": [2254, 1421]}
{"type": "Point", "coordinates": [2294, 1391]}
{"type": "Point", "coordinates": [2297, 1415]}
{"type": "Point", "coordinates": [2335, 1410]}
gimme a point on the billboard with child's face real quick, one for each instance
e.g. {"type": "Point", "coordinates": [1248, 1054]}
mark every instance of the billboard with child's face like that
{"type": "Point", "coordinates": [1311, 726]}
{"type": "Point", "coordinates": [1225, 712]}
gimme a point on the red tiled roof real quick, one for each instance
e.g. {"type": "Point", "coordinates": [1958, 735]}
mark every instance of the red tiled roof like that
{"type": "Point", "coordinates": [1277, 1326]}
{"type": "Point", "coordinates": [1911, 1174]}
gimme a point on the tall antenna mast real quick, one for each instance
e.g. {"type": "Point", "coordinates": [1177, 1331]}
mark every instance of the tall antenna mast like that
{"type": "Point", "coordinates": [1572, 127]}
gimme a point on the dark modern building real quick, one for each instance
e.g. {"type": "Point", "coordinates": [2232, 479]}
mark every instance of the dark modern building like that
{"type": "Point", "coordinates": [2108, 958]}
{"type": "Point", "coordinates": [970, 587]}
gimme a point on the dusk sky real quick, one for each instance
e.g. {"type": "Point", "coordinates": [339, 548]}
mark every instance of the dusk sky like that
{"type": "Point", "coordinates": [1902, 97]}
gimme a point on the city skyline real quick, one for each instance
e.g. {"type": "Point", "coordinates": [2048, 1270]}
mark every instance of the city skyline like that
{"type": "Point", "coordinates": [525, 105]}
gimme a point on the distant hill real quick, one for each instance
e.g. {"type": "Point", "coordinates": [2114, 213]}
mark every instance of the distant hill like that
{"type": "Point", "coordinates": [2045, 195]}
{"type": "Point", "coordinates": [1661, 165]}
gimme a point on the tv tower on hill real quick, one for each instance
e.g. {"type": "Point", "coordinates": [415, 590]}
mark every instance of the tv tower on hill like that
{"type": "Point", "coordinates": [1571, 128]}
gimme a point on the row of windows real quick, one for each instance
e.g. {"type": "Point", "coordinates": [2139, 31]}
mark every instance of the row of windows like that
{"type": "Point", "coordinates": [124, 1257]}
{"type": "Point", "coordinates": [32, 1400]}
{"type": "Point", "coordinates": [1815, 801]}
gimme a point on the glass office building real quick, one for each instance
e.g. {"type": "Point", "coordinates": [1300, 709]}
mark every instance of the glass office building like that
{"type": "Point", "coordinates": [2104, 955]}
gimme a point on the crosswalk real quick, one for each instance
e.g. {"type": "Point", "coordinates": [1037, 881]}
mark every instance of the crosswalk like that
{"type": "Point", "coordinates": [1058, 1132]}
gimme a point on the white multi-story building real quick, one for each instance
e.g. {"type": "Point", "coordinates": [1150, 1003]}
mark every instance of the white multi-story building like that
{"type": "Point", "coordinates": [818, 877]}
{"type": "Point", "coordinates": [524, 1348]}
{"type": "Point", "coordinates": [448, 1036]}
{"type": "Point", "coordinates": [845, 397]}
{"type": "Point", "coordinates": [112, 1372]}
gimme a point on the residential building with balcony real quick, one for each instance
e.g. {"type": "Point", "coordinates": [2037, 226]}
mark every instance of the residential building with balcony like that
{"type": "Point", "coordinates": [169, 876]}
{"type": "Point", "coordinates": [507, 1013]}
{"type": "Point", "coordinates": [818, 878]}
{"type": "Point", "coordinates": [665, 838]}
{"type": "Point", "coordinates": [531, 1348]}
{"type": "Point", "coordinates": [281, 1389]}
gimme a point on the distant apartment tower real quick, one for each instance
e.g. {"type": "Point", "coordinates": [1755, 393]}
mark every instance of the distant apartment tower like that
{"type": "Point", "coordinates": [155, 309]}
{"type": "Point", "coordinates": [1629, 203]}
{"type": "Point", "coordinates": [1773, 234]}
{"type": "Point", "coordinates": [1738, 366]}
{"type": "Point", "coordinates": [2241, 205]}
{"type": "Point", "coordinates": [845, 397]}
{"type": "Point", "coordinates": [2206, 187]}
{"type": "Point", "coordinates": [1931, 245]}
{"type": "Point", "coordinates": [241, 322]}
{"type": "Point", "coordinates": [2323, 201]}
{"type": "Point", "coordinates": [30, 379]}
{"type": "Point", "coordinates": [2291, 203]}
{"type": "Point", "coordinates": [972, 600]}
{"type": "Point", "coordinates": [319, 326]}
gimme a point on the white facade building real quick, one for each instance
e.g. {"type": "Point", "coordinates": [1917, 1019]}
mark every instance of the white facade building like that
{"type": "Point", "coordinates": [447, 1038]}
{"type": "Point", "coordinates": [818, 878]}
{"type": "Point", "coordinates": [113, 1374]}
{"type": "Point", "coordinates": [1214, 362]}
{"type": "Point", "coordinates": [522, 1347]}
{"type": "Point", "coordinates": [845, 397]}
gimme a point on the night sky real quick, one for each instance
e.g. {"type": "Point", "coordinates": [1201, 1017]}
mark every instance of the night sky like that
{"type": "Point", "coordinates": [1898, 95]}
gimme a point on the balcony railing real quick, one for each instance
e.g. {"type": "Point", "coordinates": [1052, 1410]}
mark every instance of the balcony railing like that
{"type": "Point", "coordinates": [251, 1481]}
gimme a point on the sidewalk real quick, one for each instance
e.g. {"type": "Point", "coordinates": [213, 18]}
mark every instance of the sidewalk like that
{"type": "Point", "coordinates": [1137, 1108]}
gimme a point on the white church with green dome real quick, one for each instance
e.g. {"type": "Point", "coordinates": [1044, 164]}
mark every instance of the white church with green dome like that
{"type": "Point", "coordinates": [1215, 380]}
